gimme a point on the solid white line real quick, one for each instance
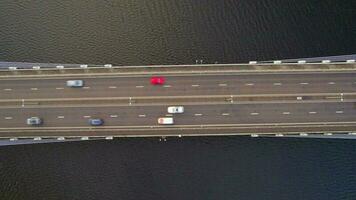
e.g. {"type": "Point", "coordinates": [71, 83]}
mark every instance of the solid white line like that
{"type": "Point", "coordinates": [86, 87]}
{"type": "Point", "coordinates": [225, 114]}
{"type": "Point", "coordinates": [195, 85]}
{"type": "Point", "coordinates": [139, 86]}
{"type": "Point", "coordinates": [286, 113]}
{"type": "Point", "coordinates": [59, 88]}
{"type": "Point", "coordinates": [167, 86]}
{"type": "Point", "coordinates": [254, 113]}
{"type": "Point", "coordinates": [312, 112]}
{"type": "Point", "coordinates": [277, 83]}
{"type": "Point", "coordinates": [60, 117]}
{"type": "Point", "coordinates": [142, 115]}
{"type": "Point", "coordinates": [86, 116]}
{"type": "Point", "coordinates": [8, 89]}
{"type": "Point", "coordinates": [112, 87]}
{"type": "Point", "coordinates": [304, 83]}
{"type": "Point", "coordinates": [249, 84]}
{"type": "Point", "coordinates": [113, 116]}
{"type": "Point", "coordinates": [198, 114]}
{"type": "Point", "coordinates": [34, 88]}
{"type": "Point", "coordinates": [331, 83]}
{"type": "Point", "coordinates": [8, 117]}
{"type": "Point", "coordinates": [222, 84]}
{"type": "Point", "coordinates": [339, 112]}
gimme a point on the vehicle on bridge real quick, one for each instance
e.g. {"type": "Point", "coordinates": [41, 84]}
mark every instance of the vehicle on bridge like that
{"type": "Point", "coordinates": [33, 121]}
{"type": "Point", "coordinates": [96, 122]}
{"type": "Point", "coordinates": [175, 109]}
{"type": "Point", "coordinates": [165, 120]}
{"type": "Point", "coordinates": [75, 83]}
{"type": "Point", "coordinates": [157, 80]}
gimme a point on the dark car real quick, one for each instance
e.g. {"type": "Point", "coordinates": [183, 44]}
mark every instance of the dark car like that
{"type": "Point", "coordinates": [96, 122]}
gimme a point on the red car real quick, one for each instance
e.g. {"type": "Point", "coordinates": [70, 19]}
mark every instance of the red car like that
{"type": "Point", "coordinates": [157, 80]}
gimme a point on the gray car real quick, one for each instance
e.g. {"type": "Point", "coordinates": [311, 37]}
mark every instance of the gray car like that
{"type": "Point", "coordinates": [34, 121]}
{"type": "Point", "coordinates": [75, 83]}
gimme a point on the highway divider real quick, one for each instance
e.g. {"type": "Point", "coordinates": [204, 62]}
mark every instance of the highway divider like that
{"type": "Point", "coordinates": [177, 100]}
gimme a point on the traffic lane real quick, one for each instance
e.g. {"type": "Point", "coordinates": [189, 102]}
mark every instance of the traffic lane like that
{"type": "Point", "coordinates": [194, 114]}
{"type": "Point", "coordinates": [181, 85]}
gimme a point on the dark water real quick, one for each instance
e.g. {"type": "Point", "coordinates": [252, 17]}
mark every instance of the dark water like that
{"type": "Point", "coordinates": [188, 168]}
{"type": "Point", "coordinates": [138, 32]}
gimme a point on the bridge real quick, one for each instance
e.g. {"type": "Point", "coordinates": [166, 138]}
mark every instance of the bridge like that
{"type": "Point", "coordinates": [276, 98]}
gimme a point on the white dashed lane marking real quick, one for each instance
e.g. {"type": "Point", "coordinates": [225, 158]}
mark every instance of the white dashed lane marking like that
{"type": "Point", "coordinates": [225, 114]}
{"type": "Point", "coordinates": [312, 112]}
{"type": "Point", "coordinates": [222, 84]}
{"type": "Point", "coordinates": [169, 115]}
{"type": "Point", "coordinates": [113, 116]}
{"type": "Point", "coordinates": [198, 114]}
{"type": "Point", "coordinates": [304, 83]}
{"type": "Point", "coordinates": [167, 86]}
{"type": "Point", "coordinates": [331, 83]}
{"type": "Point", "coordinates": [139, 86]}
{"type": "Point", "coordinates": [34, 88]}
{"type": "Point", "coordinates": [277, 83]}
{"type": "Point", "coordinates": [339, 112]}
{"type": "Point", "coordinates": [86, 87]}
{"type": "Point", "coordinates": [195, 85]}
{"type": "Point", "coordinates": [112, 87]}
{"type": "Point", "coordinates": [249, 84]}
{"type": "Point", "coordinates": [8, 89]}
{"type": "Point", "coordinates": [86, 116]}
{"type": "Point", "coordinates": [8, 118]}
{"type": "Point", "coordinates": [255, 113]}
{"type": "Point", "coordinates": [142, 115]}
{"type": "Point", "coordinates": [286, 113]}
{"type": "Point", "coordinates": [60, 117]}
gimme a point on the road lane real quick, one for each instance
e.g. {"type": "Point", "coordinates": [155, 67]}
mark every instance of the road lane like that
{"type": "Point", "coordinates": [207, 114]}
{"type": "Point", "coordinates": [181, 85]}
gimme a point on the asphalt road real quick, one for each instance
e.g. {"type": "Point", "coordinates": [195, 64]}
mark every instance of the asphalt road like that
{"type": "Point", "coordinates": [240, 114]}
{"type": "Point", "coordinates": [181, 85]}
{"type": "Point", "coordinates": [274, 114]}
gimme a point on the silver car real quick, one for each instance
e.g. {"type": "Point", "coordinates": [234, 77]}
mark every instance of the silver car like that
{"type": "Point", "coordinates": [75, 83]}
{"type": "Point", "coordinates": [175, 109]}
{"type": "Point", "coordinates": [34, 121]}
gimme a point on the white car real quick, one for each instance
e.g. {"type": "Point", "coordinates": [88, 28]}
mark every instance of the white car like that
{"type": "Point", "coordinates": [34, 121]}
{"type": "Point", "coordinates": [175, 109]}
{"type": "Point", "coordinates": [75, 83]}
{"type": "Point", "coordinates": [165, 120]}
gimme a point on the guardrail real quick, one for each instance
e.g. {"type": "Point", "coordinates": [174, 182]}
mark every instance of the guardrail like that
{"type": "Point", "coordinates": [37, 66]}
